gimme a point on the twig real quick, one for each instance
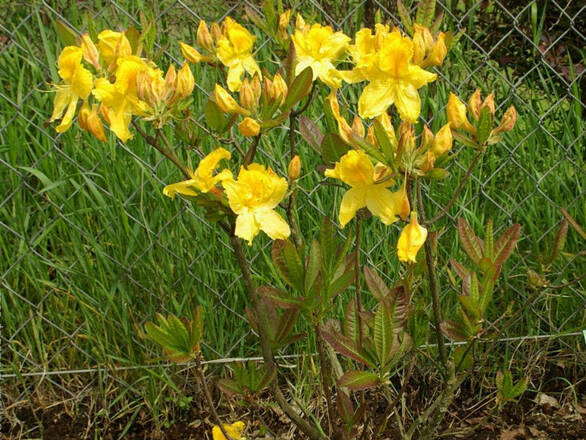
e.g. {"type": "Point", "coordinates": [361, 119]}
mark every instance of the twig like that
{"type": "Point", "coordinates": [458, 189]}
{"type": "Point", "coordinates": [267, 353]}
{"type": "Point", "coordinates": [251, 152]}
{"type": "Point", "coordinates": [433, 284]}
{"type": "Point", "coordinates": [167, 152]}
{"type": "Point", "coordinates": [209, 399]}
{"type": "Point", "coordinates": [325, 375]}
{"type": "Point", "coordinates": [296, 113]}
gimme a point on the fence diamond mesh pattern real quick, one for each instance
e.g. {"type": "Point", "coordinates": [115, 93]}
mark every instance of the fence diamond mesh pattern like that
{"type": "Point", "coordinates": [90, 255]}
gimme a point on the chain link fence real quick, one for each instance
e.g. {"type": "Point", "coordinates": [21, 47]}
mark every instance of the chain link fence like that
{"type": "Point", "coordinates": [86, 259]}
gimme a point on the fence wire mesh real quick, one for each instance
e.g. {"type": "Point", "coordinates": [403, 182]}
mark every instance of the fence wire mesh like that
{"type": "Point", "coordinates": [87, 259]}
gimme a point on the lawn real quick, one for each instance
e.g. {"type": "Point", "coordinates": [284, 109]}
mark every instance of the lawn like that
{"type": "Point", "coordinates": [90, 249]}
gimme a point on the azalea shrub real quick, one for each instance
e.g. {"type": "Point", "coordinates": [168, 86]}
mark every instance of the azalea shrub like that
{"type": "Point", "coordinates": [380, 157]}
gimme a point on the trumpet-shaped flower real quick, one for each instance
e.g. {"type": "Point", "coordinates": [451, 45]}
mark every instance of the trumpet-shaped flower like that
{"type": "Point", "coordinates": [411, 239]}
{"type": "Point", "coordinates": [120, 99]}
{"type": "Point", "coordinates": [234, 430]}
{"type": "Point", "coordinates": [77, 83]}
{"type": "Point", "coordinates": [385, 60]}
{"type": "Point", "coordinates": [203, 179]}
{"type": "Point", "coordinates": [234, 50]}
{"type": "Point", "coordinates": [356, 169]}
{"type": "Point", "coordinates": [253, 198]}
{"type": "Point", "coordinates": [112, 46]}
{"type": "Point", "coordinates": [319, 47]}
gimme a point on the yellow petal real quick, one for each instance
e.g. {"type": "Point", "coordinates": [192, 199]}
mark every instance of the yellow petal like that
{"type": "Point", "coordinates": [185, 188]}
{"type": "Point", "coordinates": [354, 168]}
{"type": "Point", "coordinates": [249, 127]}
{"type": "Point", "coordinates": [69, 61]}
{"type": "Point", "coordinates": [381, 202]}
{"type": "Point", "coordinates": [227, 103]}
{"type": "Point", "coordinates": [407, 101]}
{"type": "Point", "coordinates": [69, 114]}
{"type": "Point", "coordinates": [272, 224]}
{"type": "Point", "coordinates": [246, 226]}
{"type": "Point", "coordinates": [61, 101]}
{"type": "Point", "coordinates": [112, 45]}
{"type": "Point", "coordinates": [204, 178]}
{"type": "Point", "coordinates": [190, 53]}
{"type": "Point", "coordinates": [419, 77]}
{"type": "Point", "coordinates": [411, 239]}
{"type": "Point", "coordinates": [82, 82]}
{"type": "Point", "coordinates": [375, 99]}
{"type": "Point", "coordinates": [234, 430]}
{"type": "Point", "coordinates": [352, 201]}
{"type": "Point", "coordinates": [442, 142]}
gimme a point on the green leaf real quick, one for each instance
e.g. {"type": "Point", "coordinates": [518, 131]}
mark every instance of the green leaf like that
{"type": "Point", "coordinates": [489, 240]}
{"type": "Point", "coordinates": [464, 140]}
{"type": "Point", "coordinates": [405, 17]}
{"type": "Point", "coordinates": [484, 125]}
{"type": "Point", "coordinates": [215, 118]}
{"type": "Point", "coordinates": [284, 327]}
{"type": "Point", "coordinates": [559, 242]}
{"type": "Point", "coordinates": [385, 141]}
{"type": "Point", "coordinates": [300, 87]}
{"type": "Point", "coordinates": [519, 388]}
{"type": "Point", "coordinates": [506, 243]}
{"type": "Point", "coordinates": [375, 284]}
{"type": "Point", "coordinates": [91, 26]}
{"type": "Point", "coordinates": [133, 36]}
{"type": "Point", "coordinates": [288, 264]}
{"type": "Point", "coordinates": [313, 265]}
{"type": "Point", "coordinates": [340, 284]}
{"type": "Point", "coordinates": [333, 148]}
{"type": "Point", "coordinates": [279, 297]}
{"type": "Point", "coordinates": [311, 133]}
{"type": "Point", "coordinates": [383, 332]}
{"type": "Point", "coordinates": [290, 64]}
{"type": "Point", "coordinates": [454, 331]}
{"type": "Point", "coordinates": [67, 35]}
{"type": "Point", "coordinates": [463, 359]}
{"type": "Point", "coordinates": [470, 306]}
{"type": "Point", "coordinates": [359, 380]}
{"type": "Point", "coordinates": [371, 150]}
{"type": "Point", "coordinates": [470, 242]}
{"type": "Point", "coordinates": [425, 12]}
{"type": "Point", "coordinates": [345, 346]}
{"type": "Point", "coordinates": [350, 323]}
{"type": "Point", "coordinates": [230, 387]}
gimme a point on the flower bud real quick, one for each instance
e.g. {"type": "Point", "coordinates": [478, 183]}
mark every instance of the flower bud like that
{"type": "Point", "coordinates": [489, 102]}
{"type": "Point", "coordinates": [402, 206]}
{"type": "Point", "coordinates": [105, 113]}
{"type": "Point", "coordinates": [256, 87]}
{"type": "Point", "coordinates": [143, 87]}
{"type": "Point", "coordinates": [438, 51]}
{"type": "Point", "coordinates": [457, 114]}
{"type": "Point", "coordinates": [427, 161]}
{"type": "Point", "coordinates": [249, 127]}
{"type": "Point", "coordinates": [406, 137]}
{"type": "Point", "coordinates": [284, 19]}
{"type": "Point", "coordinates": [381, 172]}
{"type": "Point", "coordinates": [294, 169]}
{"type": "Point", "coordinates": [358, 127]}
{"type": "Point", "coordinates": [385, 121]}
{"type": "Point", "coordinates": [371, 137]}
{"type": "Point", "coordinates": [90, 51]}
{"type": "Point", "coordinates": [411, 239]}
{"type": "Point", "coordinates": [190, 53]}
{"type": "Point", "coordinates": [185, 82]}
{"type": "Point", "coordinates": [89, 120]}
{"type": "Point", "coordinates": [226, 103]}
{"type": "Point", "coordinates": [508, 120]}
{"type": "Point", "coordinates": [442, 143]}
{"type": "Point", "coordinates": [216, 32]}
{"type": "Point", "coordinates": [113, 45]}
{"type": "Point", "coordinates": [474, 104]}
{"type": "Point", "coordinates": [204, 38]}
{"type": "Point", "coordinates": [426, 137]}
{"type": "Point", "coordinates": [170, 82]}
{"type": "Point", "coordinates": [280, 87]}
{"type": "Point", "coordinates": [247, 95]}
{"type": "Point", "coordinates": [299, 22]}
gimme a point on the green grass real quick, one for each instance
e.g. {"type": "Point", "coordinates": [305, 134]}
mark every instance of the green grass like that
{"type": "Point", "coordinates": [90, 248]}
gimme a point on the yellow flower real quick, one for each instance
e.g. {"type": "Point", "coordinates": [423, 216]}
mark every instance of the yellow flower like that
{"type": "Point", "coordinates": [249, 127]}
{"type": "Point", "coordinates": [113, 45]}
{"type": "Point", "coordinates": [294, 168]}
{"type": "Point", "coordinates": [234, 430]}
{"type": "Point", "coordinates": [253, 198]}
{"type": "Point", "coordinates": [89, 120]}
{"type": "Point", "coordinates": [319, 47]}
{"type": "Point", "coordinates": [120, 99]}
{"type": "Point", "coordinates": [385, 60]}
{"type": "Point", "coordinates": [235, 52]}
{"type": "Point", "coordinates": [457, 114]}
{"type": "Point", "coordinates": [227, 103]}
{"type": "Point", "coordinates": [411, 239]}
{"type": "Point", "coordinates": [203, 179]}
{"type": "Point", "coordinates": [356, 170]}
{"type": "Point", "coordinates": [442, 141]}
{"type": "Point", "coordinates": [77, 83]}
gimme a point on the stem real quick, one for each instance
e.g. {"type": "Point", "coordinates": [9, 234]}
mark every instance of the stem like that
{"type": "Point", "coordinates": [296, 113]}
{"type": "Point", "coordinates": [251, 152]}
{"type": "Point", "coordinates": [167, 152]}
{"type": "Point", "coordinates": [358, 295]}
{"type": "Point", "coordinates": [458, 189]}
{"type": "Point", "coordinates": [311, 431]}
{"type": "Point", "coordinates": [392, 405]}
{"type": "Point", "coordinates": [433, 284]}
{"type": "Point", "coordinates": [295, 231]}
{"type": "Point", "coordinates": [325, 375]}
{"type": "Point", "coordinates": [209, 399]}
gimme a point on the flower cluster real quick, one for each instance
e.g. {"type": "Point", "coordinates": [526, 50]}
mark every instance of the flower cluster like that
{"type": "Point", "coordinates": [119, 85]}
